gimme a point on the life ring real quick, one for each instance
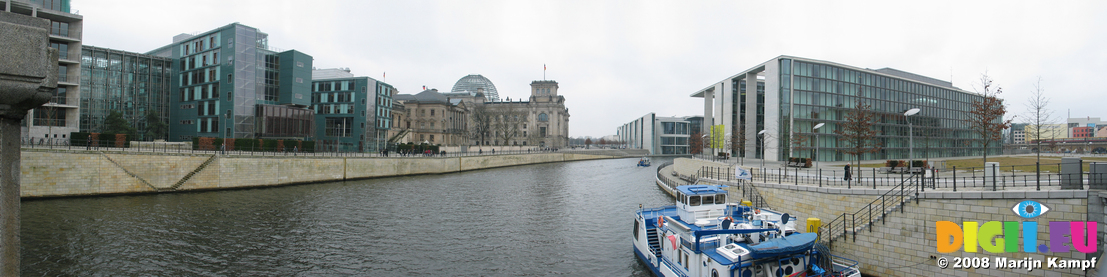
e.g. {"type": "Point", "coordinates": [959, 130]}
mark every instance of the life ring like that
{"type": "Point", "coordinates": [660, 221]}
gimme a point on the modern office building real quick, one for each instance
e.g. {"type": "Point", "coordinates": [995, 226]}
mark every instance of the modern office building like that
{"type": "Point", "coordinates": [659, 135]}
{"type": "Point", "coordinates": [57, 118]}
{"type": "Point", "coordinates": [130, 83]}
{"type": "Point", "coordinates": [353, 114]}
{"type": "Point", "coordinates": [787, 96]}
{"type": "Point", "coordinates": [223, 76]}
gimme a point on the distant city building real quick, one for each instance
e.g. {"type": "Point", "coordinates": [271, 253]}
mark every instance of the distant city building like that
{"type": "Point", "coordinates": [58, 117]}
{"type": "Point", "coordinates": [788, 96]}
{"type": "Point", "coordinates": [130, 83]}
{"type": "Point", "coordinates": [1086, 125]}
{"type": "Point", "coordinates": [432, 118]}
{"type": "Point", "coordinates": [659, 135]}
{"type": "Point", "coordinates": [474, 85]}
{"type": "Point", "coordinates": [223, 75]}
{"type": "Point", "coordinates": [1016, 134]}
{"type": "Point", "coordinates": [1048, 132]}
{"type": "Point", "coordinates": [352, 113]}
{"type": "Point", "coordinates": [542, 120]}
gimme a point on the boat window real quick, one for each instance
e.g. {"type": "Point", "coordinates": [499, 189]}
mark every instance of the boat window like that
{"type": "Point", "coordinates": [708, 199]}
{"type": "Point", "coordinates": [720, 199]}
{"type": "Point", "coordinates": [635, 229]}
{"type": "Point", "coordinates": [694, 200]}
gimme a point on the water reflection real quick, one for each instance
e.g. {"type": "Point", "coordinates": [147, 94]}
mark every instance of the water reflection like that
{"type": "Point", "coordinates": [559, 218]}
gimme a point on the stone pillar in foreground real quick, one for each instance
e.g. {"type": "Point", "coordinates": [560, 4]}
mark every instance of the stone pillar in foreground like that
{"type": "Point", "coordinates": [28, 77]}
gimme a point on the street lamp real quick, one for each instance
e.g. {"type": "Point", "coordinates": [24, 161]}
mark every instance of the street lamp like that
{"type": "Point", "coordinates": [816, 130]}
{"type": "Point", "coordinates": [761, 135]}
{"type": "Point", "coordinates": [911, 139]}
{"type": "Point", "coordinates": [705, 145]}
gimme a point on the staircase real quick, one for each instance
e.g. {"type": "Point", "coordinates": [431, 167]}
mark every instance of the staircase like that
{"type": "Point", "coordinates": [128, 171]}
{"type": "Point", "coordinates": [190, 174]}
{"type": "Point", "coordinates": [877, 210]}
{"type": "Point", "coordinates": [396, 138]}
{"type": "Point", "coordinates": [655, 242]}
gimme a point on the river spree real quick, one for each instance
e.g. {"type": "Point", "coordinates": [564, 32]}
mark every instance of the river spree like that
{"type": "Point", "coordinates": [571, 218]}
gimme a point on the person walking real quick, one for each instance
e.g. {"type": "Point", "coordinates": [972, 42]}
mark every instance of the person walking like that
{"type": "Point", "coordinates": [88, 142]}
{"type": "Point", "coordinates": [849, 176]}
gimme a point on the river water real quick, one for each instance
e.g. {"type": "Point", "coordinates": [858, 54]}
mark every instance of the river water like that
{"type": "Point", "coordinates": [572, 218]}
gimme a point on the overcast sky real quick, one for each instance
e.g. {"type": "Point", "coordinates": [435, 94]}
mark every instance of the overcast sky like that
{"type": "Point", "coordinates": [618, 60]}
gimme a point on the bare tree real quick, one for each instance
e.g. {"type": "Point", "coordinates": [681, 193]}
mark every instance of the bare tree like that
{"type": "Point", "coordinates": [695, 143]}
{"type": "Point", "coordinates": [481, 128]}
{"type": "Point", "coordinates": [986, 115]}
{"type": "Point", "coordinates": [506, 124]}
{"type": "Point", "coordinates": [1038, 115]}
{"type": "Point", "coordinates": [738, 140]}
{"type": "Point", "coordinates": [857, 131]}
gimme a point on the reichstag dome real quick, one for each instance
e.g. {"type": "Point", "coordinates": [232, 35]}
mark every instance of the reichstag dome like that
{"type": "Point", "coordinates": [473, 83]}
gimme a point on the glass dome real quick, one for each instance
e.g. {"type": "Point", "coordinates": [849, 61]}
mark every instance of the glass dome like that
{"type": "Point", "coordinates": [473, 83]}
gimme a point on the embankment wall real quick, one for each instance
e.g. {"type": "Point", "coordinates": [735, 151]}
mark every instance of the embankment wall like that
{"type": "Point", "coordinates": [82, 173]}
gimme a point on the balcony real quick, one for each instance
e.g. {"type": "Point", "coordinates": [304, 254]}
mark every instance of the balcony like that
{"type": "Point", "coordinates": [69, 36]}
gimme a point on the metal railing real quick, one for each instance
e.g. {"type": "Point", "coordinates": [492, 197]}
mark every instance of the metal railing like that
{"type": "Point", "coordinates": [318, 150]}
{"type": "Point", "coordinates": [888, 202]}
{"type": "Point", "coordinates": [954, 179]}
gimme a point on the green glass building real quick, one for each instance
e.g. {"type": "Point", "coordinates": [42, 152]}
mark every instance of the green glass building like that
{"type": "Point", "coordinates": [130, 83]}
{"type": "Point", "coordinates": [353, 114]}
{"type": "Point", "coordinates": [223, 75]}
{"type": "Point", "coordinates": [787, 96]}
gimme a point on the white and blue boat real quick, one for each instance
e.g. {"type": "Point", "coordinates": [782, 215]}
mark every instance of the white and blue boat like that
{"type": "Point", "coordinates": [644, 162]}
{"type": "Point", "coordinates": [703, 235]}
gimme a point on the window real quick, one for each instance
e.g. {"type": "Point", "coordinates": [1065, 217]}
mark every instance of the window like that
{"type": "Point", "coordinates": [694, 200]}
{"type": "Point", "coordinates": [542, 117]}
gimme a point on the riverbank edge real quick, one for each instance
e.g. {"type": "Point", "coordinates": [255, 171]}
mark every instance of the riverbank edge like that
{"type": "Point", "coordinates": [68, 174]}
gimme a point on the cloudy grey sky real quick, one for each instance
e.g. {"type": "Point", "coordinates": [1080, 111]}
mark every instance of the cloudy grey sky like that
{"type": "Point", "coordinates": [618, 60]}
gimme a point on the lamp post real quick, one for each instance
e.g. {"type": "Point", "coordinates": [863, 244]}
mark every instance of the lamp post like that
{"type": "Point", "coordinates": [911, 139]}
{"type": "Point", "coordinates": [816, 130]}
{"type": "Point", "coordinates": [705, 145]}
{"type": "Point", "coordinates": [761, 136]}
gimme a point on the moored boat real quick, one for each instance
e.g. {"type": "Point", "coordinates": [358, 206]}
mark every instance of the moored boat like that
{"type": "Point", "coordinates": [703, 235]}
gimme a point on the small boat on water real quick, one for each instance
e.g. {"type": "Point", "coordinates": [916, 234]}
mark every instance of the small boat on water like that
{"type": "Point", "coordinates": [703, 235]}
{"type": "Point", "coordinates": [644, 162]}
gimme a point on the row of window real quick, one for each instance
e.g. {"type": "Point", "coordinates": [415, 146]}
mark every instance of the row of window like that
{"type": "Point", "coordinates": [199, 45]}
{"type": "Point", "coordinates": [333, 86]}
{"type": "Point", "coordinates": [200, 76]}
{"type": "Point", "coordinates": [333, 97]}
{"type": "Point", "coordinates": [201, 60]}
{"type": "Point", "coordinates": [834, 73]}
{"type": "Point", "coordinates": [208, 91]}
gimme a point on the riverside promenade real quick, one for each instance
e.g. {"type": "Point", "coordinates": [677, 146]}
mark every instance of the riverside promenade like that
{"type": "Point", "coordinates": [73, 172]}
{"type": "Point", "coordinates": [888, 222]}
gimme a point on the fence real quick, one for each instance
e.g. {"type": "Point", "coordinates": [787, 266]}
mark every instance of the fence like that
{"type": "Point", "coordinates": [847, 223]}
{"type": "Point", "coordinates": [972, 178]}
{"type": "Point", "coordinates": [258, 150]}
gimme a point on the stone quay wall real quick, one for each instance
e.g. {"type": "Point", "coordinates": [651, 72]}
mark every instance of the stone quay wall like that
{"type": "Point", "coordinates": [83, 173]}
{"type": "Point", "coordinates": [904, 242]}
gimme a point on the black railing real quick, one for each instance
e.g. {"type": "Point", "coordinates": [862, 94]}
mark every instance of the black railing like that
{"type": "Point", "coordinates": [318, 150]}
{"type": "Point", "coordinates": [848, 223]}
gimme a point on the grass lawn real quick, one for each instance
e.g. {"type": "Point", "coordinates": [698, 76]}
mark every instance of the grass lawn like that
{"type": "Point", "coordinates": [1021, 163]}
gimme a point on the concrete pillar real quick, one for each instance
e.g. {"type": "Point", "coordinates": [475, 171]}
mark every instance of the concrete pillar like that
{"type": "Point", "coordinates": [28, 77]}
{"type": "Point", "coordinates": [1072, 173]}
{"type": "Point", "coordinates": [708, 118]}
{"type": "Point", "coordinates": [1097, 175]}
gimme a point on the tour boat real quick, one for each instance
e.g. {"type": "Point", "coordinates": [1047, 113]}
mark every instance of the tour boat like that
{"type": "Point", "coordinates": [644, 162]}
{"type": "Point", "coordinates": [703, 235]}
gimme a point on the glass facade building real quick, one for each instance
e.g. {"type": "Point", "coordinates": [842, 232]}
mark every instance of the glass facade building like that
{"type": "Point", "coordinates": [223, 74]}
{"type": "Point", "coordinates": [130, 83]}
{"type": "Point", "coordinates": [353, 114]}
{"type": "Point", "coordinates": [659, 135]}
{"type": "Point", "coordinates": [794, 94]}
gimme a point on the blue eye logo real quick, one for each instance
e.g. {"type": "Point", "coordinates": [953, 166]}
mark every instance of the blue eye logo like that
{"type": "Point", "coordinates": [1029, 209]}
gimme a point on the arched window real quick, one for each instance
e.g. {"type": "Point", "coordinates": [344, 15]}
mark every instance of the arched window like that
{"type": "Point", "coordinates": [542, 117]}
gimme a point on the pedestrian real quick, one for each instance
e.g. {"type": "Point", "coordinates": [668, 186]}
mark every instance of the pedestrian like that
{"type": "Point", "coordinates": [295, 149]}
{"type": "Point", "coordinates": [88, 142]}
{"type": "Point", "coordinates": [223, 148]}
{"type": "Point", "coordinates": [480, 151]}
{"type": "Point", "coordinates": [493, 151]}
{"type": "Point", "coordinates": [849, 176]}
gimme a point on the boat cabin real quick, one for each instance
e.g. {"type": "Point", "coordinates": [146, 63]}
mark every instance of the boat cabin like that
{"type": "Point", "coordinates": [701, 205]}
